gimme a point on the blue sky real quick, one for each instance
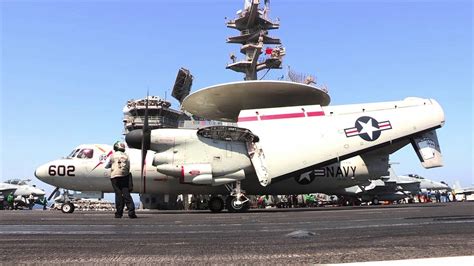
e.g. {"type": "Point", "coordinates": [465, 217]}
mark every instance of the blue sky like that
{"type": "Point", "coordinates": [68, 67]}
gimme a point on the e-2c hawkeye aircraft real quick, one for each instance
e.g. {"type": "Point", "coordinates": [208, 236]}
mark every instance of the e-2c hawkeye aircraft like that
{"type": "Point", "coordinates": [271, 147]}
{"type": "Point", "coordinates": [83, 170]}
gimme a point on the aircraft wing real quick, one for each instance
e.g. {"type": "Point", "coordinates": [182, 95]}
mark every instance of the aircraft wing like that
{"type": "Point", "coordinates": [301, 138]}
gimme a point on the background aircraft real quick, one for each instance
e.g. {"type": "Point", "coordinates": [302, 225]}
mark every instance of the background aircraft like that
{"type": "Point", "coordinates": [427, 184]}
{"type": "Point", "coordinates": [22, 191]}
{"type": "Point", "coordinates": [21, 188]}
{"type": "Point", "coordinates": [463, 193]}
{"type": "Point", "coordinates": [390, 188]}
{"type": "Point", "coordinates": [6, 188]}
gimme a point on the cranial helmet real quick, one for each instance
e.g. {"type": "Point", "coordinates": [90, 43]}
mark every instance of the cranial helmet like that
{"type": "Point", "coordinates": [119, 146]}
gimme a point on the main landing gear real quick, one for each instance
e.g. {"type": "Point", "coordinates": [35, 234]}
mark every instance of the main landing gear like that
{"type": "Point", "coordinates": [235, 202]}
{"type": "Point", "coordinates": [216, 204]}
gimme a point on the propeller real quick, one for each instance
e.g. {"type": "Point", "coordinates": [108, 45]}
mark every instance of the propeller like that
{"type": "Point", "coordinates": [140, 139]}
{"type": "Point", "coordinates": [146, 138]}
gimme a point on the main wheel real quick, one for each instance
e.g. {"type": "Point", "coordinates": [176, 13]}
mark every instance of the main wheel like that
{"type": "Point", "coordinates": [67, 208]}
{"type": "Point", "coordinates": [216, 204]}
{"type": "Point", "coordinates": [375, 201]}
{"type": "Point", "coordinates": [233, 206]}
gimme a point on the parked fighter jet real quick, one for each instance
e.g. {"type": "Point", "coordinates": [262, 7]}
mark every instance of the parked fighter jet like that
{"type": "Point", "coordinates": [22, 191]}
{"type": "Point", "coordinates": [427, 184]}
{"type": "Point", "coordinates": [388, 188]}
{"type": "Point", "coordinates": [6, 189]}
{"type": "Point", "coordinates": [271, 146]}
{"type": "Point", "coordinates": [20, 188]}
{"type": "Point", "coordinates": [462, 193]}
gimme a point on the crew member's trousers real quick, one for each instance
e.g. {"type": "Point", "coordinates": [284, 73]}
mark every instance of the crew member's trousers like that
{"type": "Point", "coordinates": [122, 195]}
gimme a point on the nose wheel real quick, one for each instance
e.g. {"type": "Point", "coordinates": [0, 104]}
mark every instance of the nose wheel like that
{"type": "Point", "coordinates": [67, 207]}
{"type": "Point", "coordinates": [237, 205]}
{"type": "Point", "coordinates": [236, 201]}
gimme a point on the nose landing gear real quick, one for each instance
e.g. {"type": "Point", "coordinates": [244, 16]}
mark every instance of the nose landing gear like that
{"type": "Point", "coordinates": [237, 201]}
{"type": "Point", "coordinates": [234, 204]}
{"type": "Point", "coordinates": [67, 207]}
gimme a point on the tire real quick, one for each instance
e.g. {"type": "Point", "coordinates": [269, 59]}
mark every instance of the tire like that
{"type": "Point", "coordinates": [67, 208]}
{"type": "Point", "coordinates": [216, 204]}
{"type": "Point", "coordinates": [232, 207]}
{"type": "Point", "coordinates": [375, 201]}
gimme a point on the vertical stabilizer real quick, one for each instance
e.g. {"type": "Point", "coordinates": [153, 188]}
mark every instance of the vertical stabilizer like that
{"type": "Point", "coordinates": [427, 148]}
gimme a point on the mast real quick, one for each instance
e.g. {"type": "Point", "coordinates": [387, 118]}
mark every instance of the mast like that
{"type": "Point", "coordinates": [254, 24]}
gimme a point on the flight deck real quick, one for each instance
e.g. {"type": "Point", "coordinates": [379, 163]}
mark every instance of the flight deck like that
{"type": "Point", "coordinates": [285, 236]}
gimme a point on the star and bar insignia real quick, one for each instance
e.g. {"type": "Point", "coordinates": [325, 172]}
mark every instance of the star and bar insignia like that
{"type": "Point", "coordinates": [367, 128]}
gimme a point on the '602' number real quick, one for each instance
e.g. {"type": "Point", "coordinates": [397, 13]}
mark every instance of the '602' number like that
{"type": "Point", "coordinates": [61, 170]}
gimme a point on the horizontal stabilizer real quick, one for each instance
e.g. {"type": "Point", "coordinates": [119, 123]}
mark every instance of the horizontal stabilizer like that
{"type": "Point", "coordinates": [427, 148]}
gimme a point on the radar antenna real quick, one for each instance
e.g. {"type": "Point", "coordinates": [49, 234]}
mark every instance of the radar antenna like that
{"type": "Point", "coordinates": [301, 77]}
{"type": "Point", "coordinates": [305, 79]}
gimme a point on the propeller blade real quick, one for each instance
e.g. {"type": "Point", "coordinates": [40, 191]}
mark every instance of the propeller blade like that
{"type": "Point", "coordinates": [145, 123]}
{"type": "Point", "coordinates": [143, 173]}
{"type": "Point", "coordinates": [146, 135]}
{"type": "Point", "coordinates": [52, 193]}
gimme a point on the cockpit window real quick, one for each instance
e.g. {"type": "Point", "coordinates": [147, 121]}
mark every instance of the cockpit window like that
{"type": "Point", "coordinates": [73, 153]}
{"type": "Point", "coordinates": [416, 176]}
{"type": "Point", "coordinates": [85, 154]}
{"type": "Point", "coordinates": [16, 182]}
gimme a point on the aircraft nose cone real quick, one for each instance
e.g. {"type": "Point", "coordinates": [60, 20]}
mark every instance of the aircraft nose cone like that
{"type": "Point", "coordinates": [444, 185]}
{"type": "Point", "coordinates": [134, 139]}
{"type": "Point", "coordinates": [39, 192]}
{"type": "Point", "coordinates": [42, 173]}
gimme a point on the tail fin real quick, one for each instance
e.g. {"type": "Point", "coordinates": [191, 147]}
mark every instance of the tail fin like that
{"type": "Point", "coordinates": [427, 148]}
{"type": "Point", "coordinates": [456, 185]}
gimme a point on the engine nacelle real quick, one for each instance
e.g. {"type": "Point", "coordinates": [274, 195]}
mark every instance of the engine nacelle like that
{"type": "Point", "coordinates": [210, 156]}
{"type": "Point", "coordinates": [199, 174]}
{"type": "Point", "coordinates": [163, 158]}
